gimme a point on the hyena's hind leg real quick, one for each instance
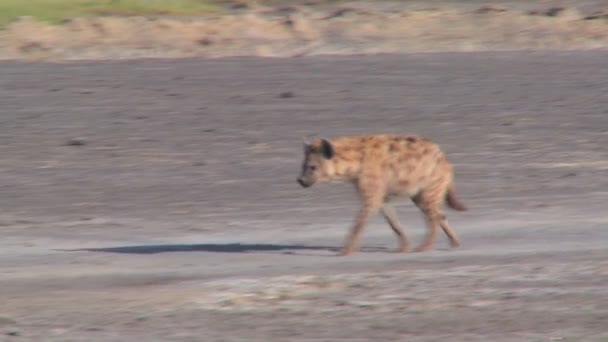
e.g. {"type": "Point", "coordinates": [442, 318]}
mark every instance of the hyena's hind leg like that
{"type": "Point", "coordinates": [429, 201]}
{"type": "Point", "coordinates": [443, 222]}
{"type": "Point", "coordinates": [391, 218]}
{"type": "Point", "coordinates": [432, 222]}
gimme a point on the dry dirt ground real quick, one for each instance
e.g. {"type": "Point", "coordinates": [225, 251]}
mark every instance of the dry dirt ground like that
{"type": "Point", "coordinates": [155, 200]}
{"type": "Point", "coordinates": [320, 27]}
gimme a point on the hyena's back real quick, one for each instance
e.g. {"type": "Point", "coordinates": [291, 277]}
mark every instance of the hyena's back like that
{"type": "Point", "coordinates": [407, 165]}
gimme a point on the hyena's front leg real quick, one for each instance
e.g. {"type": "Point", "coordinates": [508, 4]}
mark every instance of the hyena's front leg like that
{"type": "Point", "coordinates": [372, 199]}
{"type": "Point", "coordinates": [391, 218]}
{"type": "Point", "coordinates": [352, 241]}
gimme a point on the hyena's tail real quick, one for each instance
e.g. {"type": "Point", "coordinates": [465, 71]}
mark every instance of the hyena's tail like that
{"type": "Point", "coordinates": [453, 201]}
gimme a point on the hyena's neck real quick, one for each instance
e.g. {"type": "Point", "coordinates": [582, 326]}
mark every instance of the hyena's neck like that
{"type": "Point", "coordinates": [346, 164]}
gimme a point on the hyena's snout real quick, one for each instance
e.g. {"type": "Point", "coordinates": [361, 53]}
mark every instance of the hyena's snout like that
{"type": "Point", "coordinates": [305, 183]}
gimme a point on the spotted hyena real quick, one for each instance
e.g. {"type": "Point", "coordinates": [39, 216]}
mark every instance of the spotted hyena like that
{"type": "Point", "coordinates": [383, 167]}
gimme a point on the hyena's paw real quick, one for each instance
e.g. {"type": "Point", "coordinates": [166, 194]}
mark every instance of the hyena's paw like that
{"type": "Point", "coordinates": [405, 248]}
{"type": "Point", "coordinates": [346, 251]}
{"type": "Point", "coordinates": [422, 248]}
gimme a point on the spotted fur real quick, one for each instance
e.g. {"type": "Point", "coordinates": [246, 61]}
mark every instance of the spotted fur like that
{"type": "Point", "coordinates": [383, 167]}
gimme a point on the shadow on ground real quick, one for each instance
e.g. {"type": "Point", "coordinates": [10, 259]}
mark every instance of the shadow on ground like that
{"type": "Point", "coordinates": [221, 248]}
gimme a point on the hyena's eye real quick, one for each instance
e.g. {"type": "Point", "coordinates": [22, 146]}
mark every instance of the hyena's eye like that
{"type": "Point", "coordinates": [312, 167]}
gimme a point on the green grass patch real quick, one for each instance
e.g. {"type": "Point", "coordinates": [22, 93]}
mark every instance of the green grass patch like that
{"type": "Point", "coordinates": [55, 11]}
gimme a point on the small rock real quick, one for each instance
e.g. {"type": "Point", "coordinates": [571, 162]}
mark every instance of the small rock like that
{"type": "Point", "coordinates": [554, 11]}
{"type": "Point", "coordinates": [286, 10]}
{"type": "Point", "coordinates": [597, 15]}
{"type": "Point", "coordinates": [204, 41]}
{"type": "Point", "coordinates": [32, 47]}
{"type": "Point", "coordinates": [340, 12]}
{"type": "Point", "coordinates": [76, 142]}
{"type": "Point", "coordinates": [288, 22]}
{"type": "Point", "coordinates": [550, 12]}
{"type": "Point", "coordinates": [286, 95]}
{"type": "Point", "coordinates": [490, 9]}
{"type": "Point", "coordinates": [94, 329]}
{"type": "Point", "coordinates": [239, 5]}
{"type": "Point", "coordinates": [13, 333]}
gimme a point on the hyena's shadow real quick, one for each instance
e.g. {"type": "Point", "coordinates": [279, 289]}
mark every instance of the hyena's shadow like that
{"type": "Point", "coordinates": [226, 248]}
{"type": "Point", "coordinates": [216, 248]}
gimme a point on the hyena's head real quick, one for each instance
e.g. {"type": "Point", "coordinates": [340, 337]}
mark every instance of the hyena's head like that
{"type": "Point", "coordinates": [316, 156]}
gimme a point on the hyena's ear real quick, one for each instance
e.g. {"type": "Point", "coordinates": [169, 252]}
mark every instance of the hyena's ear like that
{"type": "Point", "coordinates": [327, 150]}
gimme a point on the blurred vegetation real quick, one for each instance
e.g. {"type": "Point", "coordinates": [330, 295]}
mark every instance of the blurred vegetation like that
{"type": "Point", "coordinates": [56, 11]}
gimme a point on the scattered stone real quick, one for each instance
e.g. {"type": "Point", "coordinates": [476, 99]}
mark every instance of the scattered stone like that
{"type": "Point", "coordinates": [13, 333]}
{"type": "Point", "coordinates": [204, 41]}
{"type": "Point", "coordinates": [76, 142]}
{"type": "Point", "coordinates": [597, 15]}
{"type": "Point", "coordinates": [286, 10]}
{"type": "Point", "coordinates": [94, 329]}
{"type": "Point", "coordinates": [239, 5]}
{"type": "Point", "coordinates": [32, 47]}
{"type": "Point", "coordinates": [490, 9]}
{"type": "Point", "coordinates": [550, 12]}
{"type": "Point", "coordinates": [286, 95]}
{"type": "Point", "coordinates": [289, 21]}
{"type": "Point", "coordinates": [340, 12]}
